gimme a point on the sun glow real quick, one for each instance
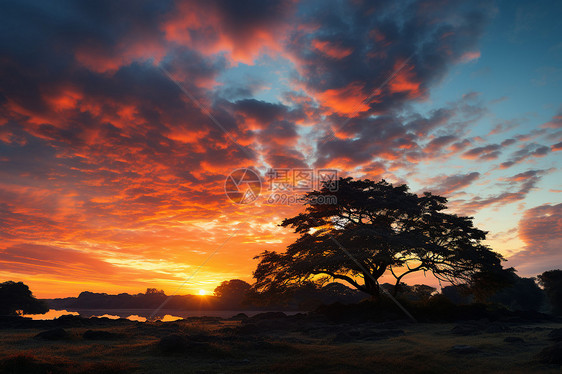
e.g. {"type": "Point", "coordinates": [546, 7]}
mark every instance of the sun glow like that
{"type": "Point", "coordinates": [202, 292]}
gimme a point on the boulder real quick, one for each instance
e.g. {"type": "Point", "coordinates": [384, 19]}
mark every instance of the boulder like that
{"type": "Point", "coordinates": [464, 349]}
{"type": "Point", "coordinates": [513, 339]}
{"type": "Point", "coordinates": [239, 317]}
{"type": "Point", "coordinates": [99, 335]}
{"type": "Point", "coordinates": [173, 343]}
{"type": "Point", "coordinates": [70, 320]}
{"type": "Point", "coordinates": [248, 329]}
{"type": "Point", "coordinates": [555, 335]}
{"type": "Point", "coordinates": [366, 335]}
{"type": "Point", "coordinates": [551, 355]}
{"type": "Point", "coordinates": [54, 334]}
{"type": "Point", "coordinates": [176, 343]}
{"type": "Point", "coordinates": [268, 315]}
{"type": "Point", "coordinates": [465, 330]}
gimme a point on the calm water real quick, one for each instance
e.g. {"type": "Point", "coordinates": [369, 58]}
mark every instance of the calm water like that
{"type": "Point", "coordinates": [141, 315]}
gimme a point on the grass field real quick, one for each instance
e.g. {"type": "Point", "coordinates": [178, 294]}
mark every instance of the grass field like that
{"type": "Point", "coordinates": [225, 347]}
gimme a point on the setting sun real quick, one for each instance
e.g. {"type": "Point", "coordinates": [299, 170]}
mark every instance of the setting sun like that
{"type": "Point", "coordinates": [202, 292]}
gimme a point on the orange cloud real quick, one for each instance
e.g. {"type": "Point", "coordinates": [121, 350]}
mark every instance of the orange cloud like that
{"type": "Point", "coordinates": [332, 50]}
{"type": "Point", "coordinates": [210, 29]}
{"type": "Point", "coordinates": [405, 81]}
{"type": "Point", "coordinates": [101, 59]}
{"type": "Point", "coordinates": [346, 100]}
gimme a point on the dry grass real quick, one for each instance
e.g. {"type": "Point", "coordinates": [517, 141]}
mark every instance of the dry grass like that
{"type": "Point", "coordinates": [423, 349]}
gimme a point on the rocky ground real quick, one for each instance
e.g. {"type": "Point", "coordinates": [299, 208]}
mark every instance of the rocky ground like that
{"type": "Point", "coordinates": [275, 343]}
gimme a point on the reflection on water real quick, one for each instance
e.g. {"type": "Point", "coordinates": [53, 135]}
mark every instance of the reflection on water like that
{"type": "Point", "coordinates": [140, 315]}
{"type": "Point", "coordinates": [134, 317]}
{"type": "Point", "coordinates": [51, 314]}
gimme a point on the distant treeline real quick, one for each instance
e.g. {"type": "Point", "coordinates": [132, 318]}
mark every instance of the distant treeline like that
{"type": "Point", "coordinates": [231, 295]}
{"type": "Point", "coordinates": [149, 300]}
{"type": "Point", "coordinates": [505, 289]}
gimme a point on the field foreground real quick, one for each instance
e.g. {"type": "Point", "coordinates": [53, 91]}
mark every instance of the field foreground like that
{"type": "Point", "coordinates": [274, 343]}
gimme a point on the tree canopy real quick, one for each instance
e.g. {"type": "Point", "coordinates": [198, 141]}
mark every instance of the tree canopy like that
{"type": "Point", "coordinates": [233, 291]}
{"type": "Point", "coordinates": [375, 228]}
{"type": "Point", "coordinates": [16, 297]}
{"type": "Point", "coordinates": [506, 288]}
{"type": "Point", "coordinates": [551, 281]}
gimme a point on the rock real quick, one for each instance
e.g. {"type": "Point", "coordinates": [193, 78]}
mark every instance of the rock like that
{"type": "Point", "coordinates": [239, 317]}
{"type": "Point", "coordinates": [345, 337]}
{"type": "Point", "coordinates": [248, 329]}
{"type": "Point", "coordinates": [204, 338]}
{"type": "Point", "coordinates": [465, 330]}
{"type": "Point", "coordinates": [17, 322]}
{"type": "Point", "coordinates": [54, 334]}
{"type": "Point", "coordinates": [173, 343]}
{"type": "Point", "coordinates": [368, 335]}
{"type": "Point", "coordinates": [496, 327]}
{"type": "Point", "coordinates": [24, 363]}
{"type": "Point", "coordinates": [555, 335]}
{"type": "Point", "coordinates": [69, 320]}
{"type": "Point", "coordinates": [382, 334]}
{"type": "Point", "coordinates": [478, 327]}
{"type": "Point", "coordinates": [513, 339]}
{"type": "Point", "coordinates": [274, 325]}
{"type": "Point", "coordinates": [99, 335]}
{"type": "Point", "coordinates": [464, 349]}
{"type": "Point", "coordinates": [551, 355]}
{"type": "Point", "coordinates": [268, 315]}
{"type": "Point", "coordinates": [176, 343]}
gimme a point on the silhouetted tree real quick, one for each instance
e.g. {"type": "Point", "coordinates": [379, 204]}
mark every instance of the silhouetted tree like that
{"type": "Point", "coordinates": [457, 294]}
{"type": "Point", "coordinates": [524, 294]}
{"type": "Point", "coordinates": [417, 292]}
{"type": "Point", "coordinates": [154, 291]}
{"type": "Point", "coordinates": [233, 292]}
{"type": "Point", "coordinates": [484, 284]}
{"type": "Point", "coordinates": [306, 296]}
{"type": "Point", "coordinates": [16, 298]}
{"type": "Point", "coordinates": [383, 228]}
{"type": "Point", "coordinates": [551, 281]}
{"type": "Point", "coordinates": [337, 292]}
{"type": "Point", "coordinates": [506, 288]}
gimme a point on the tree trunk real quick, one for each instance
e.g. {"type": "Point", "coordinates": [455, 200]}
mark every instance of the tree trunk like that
{"type": "Point", "coordinates": [376, 295]}
{"type": "Point", "coordinates": [396, 288]}
{"type": "Point", "coordinates": [373, 288]}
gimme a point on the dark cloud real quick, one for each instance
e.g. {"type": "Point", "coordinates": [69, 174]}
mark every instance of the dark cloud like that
{"type": "Point", "coordinates": [447, 185]}
{"type": "Point", "coordinates": [530, 150]}
{"type": "Point", "coordinates": [488, 152]}
{"type": "Point", "coordinates": [437, 144]}
{"type": "Point", "coordinates": [377, 39]}
{"type": "Point", "coordinates": [523, 183]}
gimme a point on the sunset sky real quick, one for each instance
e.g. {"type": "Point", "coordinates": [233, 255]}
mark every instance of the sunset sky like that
{"type": "Point", "coordinates": [120, 121]}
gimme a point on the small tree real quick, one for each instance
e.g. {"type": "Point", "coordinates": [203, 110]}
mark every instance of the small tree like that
{"type": "Point", "coordinates": [508, 289]}
{"type": "Point", "coordinates": [485, 284]}
{"type": "Point", "coordinates": [417, 292]}
{"type": "Point", "coordinates": [373, 229]}
{"type": "Point", "coordinates": [551, 281]}
{"type": "Point", "coordinates": [155, 291]}
{"type": "Point", "coordinates": [233, 292]}
{"type": "Point", "coordinates": [16, 298]}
